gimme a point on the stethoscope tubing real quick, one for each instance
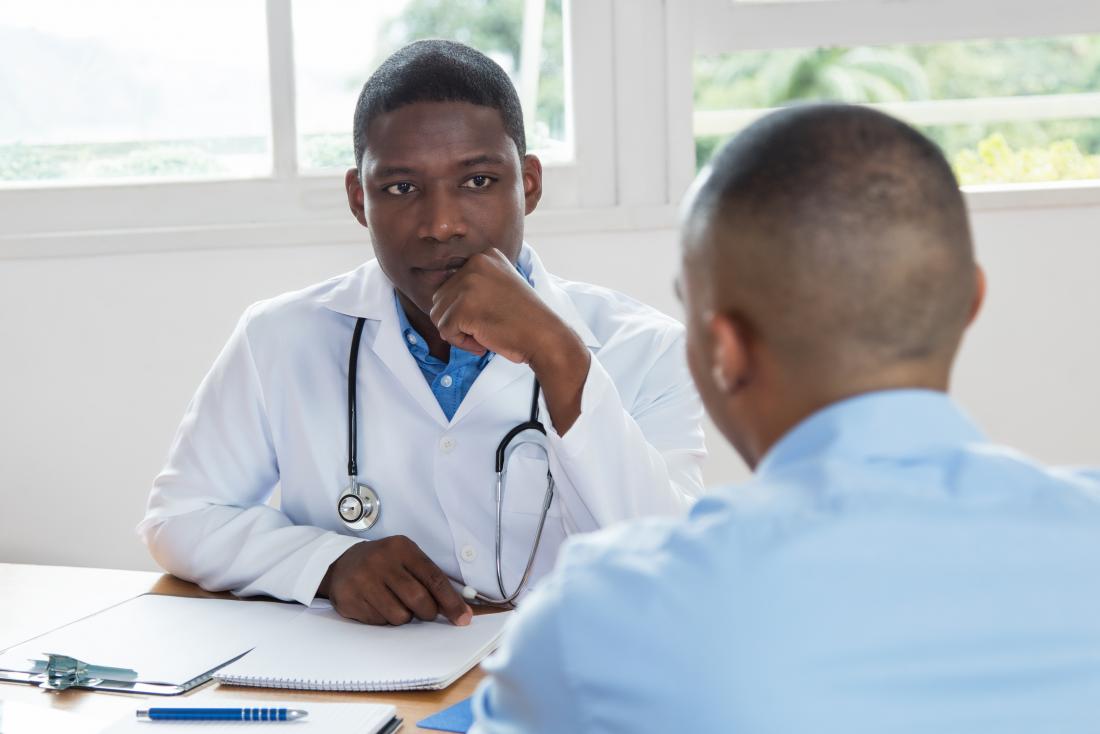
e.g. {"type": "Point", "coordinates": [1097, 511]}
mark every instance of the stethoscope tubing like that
{"type": "Point", "coordinates": [500, 459]}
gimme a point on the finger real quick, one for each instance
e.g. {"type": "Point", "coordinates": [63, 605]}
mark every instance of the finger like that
{"type": "Point", "coordinates": [452, 289]}
{"type": "Point", "coordinates": [443, 297]}
{"type": "Point", "coordinates": [413, 595]}
{"type": "Point", "coordinates": [360, 610]}
{"type": "Point", "coordinates": [451, 605]}
{"type": "Point", "coordinates": [495, 253]}
{"type": "Point", "coordinates": [381, 598]}
{"type": "Point", "coordinates": [450, 328]}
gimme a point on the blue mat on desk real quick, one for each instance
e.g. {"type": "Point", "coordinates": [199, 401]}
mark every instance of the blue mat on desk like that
{"type": "Point", "coordinates": [457, 718]}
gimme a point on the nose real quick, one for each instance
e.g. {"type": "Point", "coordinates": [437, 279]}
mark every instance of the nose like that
{"type": "Point", "coordinates": [442, 215]}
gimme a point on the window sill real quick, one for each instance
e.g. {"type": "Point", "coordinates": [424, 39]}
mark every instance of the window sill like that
{"type": "Point", "coordinates": [326, 223]}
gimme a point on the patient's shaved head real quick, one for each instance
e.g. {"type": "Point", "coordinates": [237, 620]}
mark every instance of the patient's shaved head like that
{"type": "Point", "coordinates": [838, 235]}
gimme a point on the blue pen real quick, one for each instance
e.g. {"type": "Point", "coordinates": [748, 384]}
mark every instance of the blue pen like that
{"type": "Point", "coordinates": [194, 714]}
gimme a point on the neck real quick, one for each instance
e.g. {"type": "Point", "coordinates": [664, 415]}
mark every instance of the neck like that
{"type": "Point", "coordinates": [807, 394]}
{"type": "Point", "coordinates": [424, 326]}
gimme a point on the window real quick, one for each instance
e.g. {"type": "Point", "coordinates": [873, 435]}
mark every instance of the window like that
{"type": "Point", "coordinates": [114, 89]}
{"type": "Point", "coordinates": [338, 43]}
{"type": "Point", "coordinates": [1009, 88]}
{"type": "Point", "coordinates": [1005, 111]}
{"type": "Point", "coordinates": [212, 124]}
{"type": "Point", "coordinates": [132, 99]}
{"type": "Point", "coordinates": [209, 124]}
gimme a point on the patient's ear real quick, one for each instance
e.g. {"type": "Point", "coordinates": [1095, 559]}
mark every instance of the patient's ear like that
{"type": "Point", "coordinates": [729, 357]}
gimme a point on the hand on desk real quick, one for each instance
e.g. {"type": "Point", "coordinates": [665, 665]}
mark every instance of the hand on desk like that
{"type": "Point", "coordinates": [389, 581]}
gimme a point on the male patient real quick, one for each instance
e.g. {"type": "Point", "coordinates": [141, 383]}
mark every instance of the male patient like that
{"type": "Point", "coordinates": [888, 568]}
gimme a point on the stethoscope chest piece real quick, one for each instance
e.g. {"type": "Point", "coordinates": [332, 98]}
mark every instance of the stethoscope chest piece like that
{"type": "Point", "coordinates": [359, 506]}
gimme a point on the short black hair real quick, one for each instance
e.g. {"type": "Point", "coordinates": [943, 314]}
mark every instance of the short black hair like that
{"type": "Point", "coordinates": [843, 233]}
{"type": "Point", "coordinates": [437, 71]}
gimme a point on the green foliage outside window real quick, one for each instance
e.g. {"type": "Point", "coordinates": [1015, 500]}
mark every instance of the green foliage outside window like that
{"type": "Point", "coordinates": [139, 159]}
{"type": "Point", "coordinates": [494, 27]}
{"type": "Point", "coordinates": [1016, 152]}
{"type": "Point", "coordinates": [995, 161]}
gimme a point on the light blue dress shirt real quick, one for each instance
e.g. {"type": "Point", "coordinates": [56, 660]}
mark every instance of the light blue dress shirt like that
{"type": "Point", "coordinates": [450, 380]}
{"type": "Point", "coordinates": [888, 569]}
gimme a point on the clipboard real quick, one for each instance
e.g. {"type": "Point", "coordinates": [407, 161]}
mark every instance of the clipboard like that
{"type": "Point", "coordinates": [150, 644]}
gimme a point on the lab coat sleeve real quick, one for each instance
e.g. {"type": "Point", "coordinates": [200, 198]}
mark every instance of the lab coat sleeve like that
{"type": "Point", "coordinates": [206, 519]}
{"type": "Point", "coordinates": [624, 461]}
{"type": "Point", "coordinates": [528, 688]}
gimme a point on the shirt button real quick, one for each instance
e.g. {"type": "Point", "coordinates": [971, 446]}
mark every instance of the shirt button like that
{"type": "Point", "coordinates": [446, 381]}
{"type": "Point", "coordinates": [411, 337]}
{"type": "Point", "coordinates": [447, 444]}
{"type": "Point", "coordinates": [469, 553]}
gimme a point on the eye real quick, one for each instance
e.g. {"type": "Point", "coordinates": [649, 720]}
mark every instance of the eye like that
{"type": "Point", "coordinates": [478, 182]}
{"type": "Point", "coordinates": [399, 189]}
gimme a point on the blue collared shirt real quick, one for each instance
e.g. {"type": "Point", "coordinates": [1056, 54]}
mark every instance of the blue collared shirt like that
{"type": "Point", "coordinates": [887, 569]}
{"type": "Point", "coordinates": [450, 380]}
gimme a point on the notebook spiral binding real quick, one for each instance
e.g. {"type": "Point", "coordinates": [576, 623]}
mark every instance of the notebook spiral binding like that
{"type": "Point", "coordinates": [314, 684]}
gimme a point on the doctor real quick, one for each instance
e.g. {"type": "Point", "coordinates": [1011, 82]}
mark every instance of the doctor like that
{"type": "Point", "coordinates": [444, 335]}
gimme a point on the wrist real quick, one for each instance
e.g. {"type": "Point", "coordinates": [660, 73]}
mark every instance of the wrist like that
{"type": "Point", "coordinates": [561, 352]}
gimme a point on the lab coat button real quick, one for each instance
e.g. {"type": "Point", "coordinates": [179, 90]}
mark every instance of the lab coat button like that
{"type": "Point", "coordinates": [469, 553]}
{"type": "Point", "coordinates": [447, 444]}
{"type": "Point", "coordinates": [446, 381]}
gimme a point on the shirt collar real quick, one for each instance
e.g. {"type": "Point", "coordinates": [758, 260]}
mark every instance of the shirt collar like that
{"type": "Point", "coordinates": [366, 292]}
{"type": "Point", "coordinates": [887, 423]}
{"type": "Point", "coordinates": [419, 346]}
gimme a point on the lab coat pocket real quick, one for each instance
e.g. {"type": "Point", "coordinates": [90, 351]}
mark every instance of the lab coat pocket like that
{"type": "Point", "coordinates": [525, 480]}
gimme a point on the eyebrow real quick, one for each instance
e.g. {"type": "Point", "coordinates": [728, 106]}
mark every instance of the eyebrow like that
{"type": "Point", "coordinates": [477, 160]}
{"type": "Point", "coordinates": [387, 171]}
{"type": "Point", "coordinates": [484, 158]}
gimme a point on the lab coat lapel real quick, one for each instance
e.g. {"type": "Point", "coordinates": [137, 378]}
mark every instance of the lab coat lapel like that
{"type": "Point", "coordinates": [366, 292]}
{"type": "Point", "coordinates": [500, 372]}
{"type": "Point", "coordinates": [554, 296]}
{"type": "Point", "coordinates": [394, 354]}
{"type": "Point", "coordinates": [497, 375]}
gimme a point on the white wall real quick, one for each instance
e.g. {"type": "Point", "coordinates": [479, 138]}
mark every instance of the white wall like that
{"type": "Point", "coordinates": [101, 354]}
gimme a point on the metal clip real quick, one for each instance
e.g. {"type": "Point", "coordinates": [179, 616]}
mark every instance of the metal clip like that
{"type": "Point", "coordinates": [61, 671]}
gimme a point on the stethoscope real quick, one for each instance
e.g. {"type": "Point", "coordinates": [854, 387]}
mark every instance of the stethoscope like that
{"type": "Point", "coordinates": [360, 507]}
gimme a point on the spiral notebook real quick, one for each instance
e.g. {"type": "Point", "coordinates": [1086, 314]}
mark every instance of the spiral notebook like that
{"type": "Point", "coordinates": [321, 651]}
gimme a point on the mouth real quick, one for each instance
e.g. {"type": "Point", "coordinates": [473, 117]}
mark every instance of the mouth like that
{"type": "Point", "coordinates": [438, 272]}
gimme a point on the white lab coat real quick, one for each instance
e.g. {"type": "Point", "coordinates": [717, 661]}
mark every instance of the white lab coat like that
{"type": "Point", "coordinates": [273, 411]}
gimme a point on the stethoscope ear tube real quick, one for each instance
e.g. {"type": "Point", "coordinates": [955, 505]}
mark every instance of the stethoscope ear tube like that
{"type": "Point", "coordinates": [353, 364]}
{"type": "Point", "coordinates": [502, 447]}
{"type": "Point", "coordinates": [532, 424]}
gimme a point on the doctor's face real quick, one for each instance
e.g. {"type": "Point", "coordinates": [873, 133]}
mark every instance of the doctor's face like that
{"type": "Point", "coordinates": [440, 182]}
